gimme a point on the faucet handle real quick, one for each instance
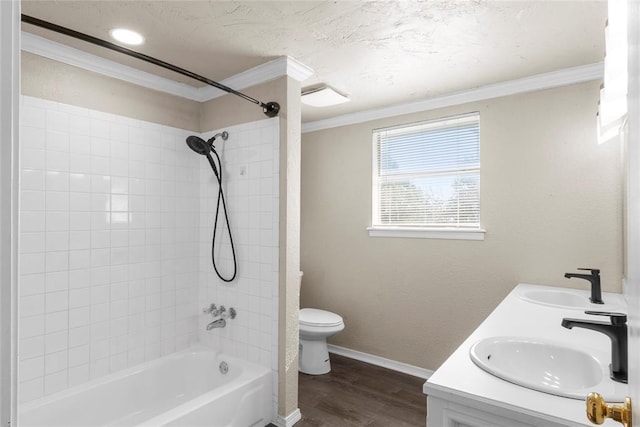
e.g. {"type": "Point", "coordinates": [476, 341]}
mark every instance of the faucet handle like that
{"type": "Point", "coordinates": [616, 318]}
{"type": "Point", "coordinates": [209, 309]}
{"type": "Point", "coordinates": [594, 271]}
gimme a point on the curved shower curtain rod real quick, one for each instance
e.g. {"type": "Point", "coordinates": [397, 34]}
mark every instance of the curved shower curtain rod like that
{"type": "Point", "coordinates": [271, 109]}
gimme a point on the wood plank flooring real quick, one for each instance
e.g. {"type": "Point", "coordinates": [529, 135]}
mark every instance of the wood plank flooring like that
{"type": "Point", "coordinates": [356, 394]}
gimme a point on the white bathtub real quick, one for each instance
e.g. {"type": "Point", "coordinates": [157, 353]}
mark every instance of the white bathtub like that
{"type": "Point", "coordinates": [182, 389]}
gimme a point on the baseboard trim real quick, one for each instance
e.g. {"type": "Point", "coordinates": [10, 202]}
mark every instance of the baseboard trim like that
{"type": "Point", "coordinates": [380, 361]}
{"type": "Point", "coordinates": [289, 420]}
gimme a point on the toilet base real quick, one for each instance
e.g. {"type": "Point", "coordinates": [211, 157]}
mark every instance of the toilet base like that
{"type": "Point", "coordinates": [313, 357]}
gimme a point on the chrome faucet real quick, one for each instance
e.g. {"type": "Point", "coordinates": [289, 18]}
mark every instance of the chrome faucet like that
{"type": "Point", "coordinates": [616, 331]}
{"type": "Point", "coordinates": [594, 278]}
{"type": "Point", "coordinates": [220, 312]}
{"type": "Point", "coordinates": [219, 323]}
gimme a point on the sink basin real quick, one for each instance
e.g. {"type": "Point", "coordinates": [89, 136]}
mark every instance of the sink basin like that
{"type": "Point", "coordinates": [557, 298]}
{"type": "Point", "coordinates": [543, 366]}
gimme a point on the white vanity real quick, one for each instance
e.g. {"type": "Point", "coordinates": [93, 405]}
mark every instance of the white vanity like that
{"type": "Point", "coordinates": [461, 394]}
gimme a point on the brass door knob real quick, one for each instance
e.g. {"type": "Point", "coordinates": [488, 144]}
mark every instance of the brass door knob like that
{"type": "Point", "coordinates": [598, 410]}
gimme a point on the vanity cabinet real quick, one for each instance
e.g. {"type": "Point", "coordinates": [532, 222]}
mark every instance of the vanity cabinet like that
{"type": "Point", "coordinates": [445, 413]}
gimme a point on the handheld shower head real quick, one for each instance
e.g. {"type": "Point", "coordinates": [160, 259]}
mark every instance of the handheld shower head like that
{"type": "Point", "coordinates": [199, 145]}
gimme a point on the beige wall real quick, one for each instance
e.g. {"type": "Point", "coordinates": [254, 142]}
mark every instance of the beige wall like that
{"type": "Point", "coordinates": [55, 81]}
{"type": "Point", "coordinates": [550, 201]}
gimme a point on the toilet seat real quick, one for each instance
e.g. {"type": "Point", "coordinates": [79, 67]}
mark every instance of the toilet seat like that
{"type": "Point", "coordinates": [316, 317]}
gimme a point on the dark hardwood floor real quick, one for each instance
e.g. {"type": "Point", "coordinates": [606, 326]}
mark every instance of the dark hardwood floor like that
{"type": "Point", "coordinates": [355, 393]}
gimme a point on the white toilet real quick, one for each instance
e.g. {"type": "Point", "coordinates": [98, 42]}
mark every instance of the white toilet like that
{"type": "Point", "coordinates": [315, 327]}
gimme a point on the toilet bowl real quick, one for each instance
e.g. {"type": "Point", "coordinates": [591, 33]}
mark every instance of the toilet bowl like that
{"type": "Point", "coordinates": [315, 327]}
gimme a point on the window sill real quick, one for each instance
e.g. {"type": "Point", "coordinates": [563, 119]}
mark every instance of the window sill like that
{"type": "Point", "coordinates": [427, 233]}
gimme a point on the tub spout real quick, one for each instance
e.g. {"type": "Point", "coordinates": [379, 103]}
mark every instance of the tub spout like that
{"type": "Point", "coordinates": [220, 323]}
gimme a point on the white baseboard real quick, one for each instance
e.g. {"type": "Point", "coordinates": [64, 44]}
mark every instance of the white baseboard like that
{"type": "Point", "coordinates": [289, 420]}
{"type": "Point", "coordinates": [380, 361]}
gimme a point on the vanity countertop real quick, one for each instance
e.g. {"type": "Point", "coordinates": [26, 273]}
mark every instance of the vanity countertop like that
{"type": "Point", "coordinates": [459, 378]}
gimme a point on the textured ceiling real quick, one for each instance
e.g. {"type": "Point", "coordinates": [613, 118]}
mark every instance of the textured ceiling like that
{"type": "Point", "coordinates": [379, 53]}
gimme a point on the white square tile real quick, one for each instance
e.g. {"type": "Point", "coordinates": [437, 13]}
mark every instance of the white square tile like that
{"type": "Point", "coordinates": [100, 184]}
{"type": "Point", "coordinates": [78, 375]}
{"type": "Point", "coordinates": [79, 355]}
{"type": "Point", "coordinates": [79, 336]}
{"type": "Point", "coordinates": [79, 278]}
{"type": "Point", "coordinates": [55, 362]}
{"type": "Point", "coordinates": [57, 221]}
{"type": "Point", "coordinates": [80, 182]}
{"type": "Point", "coordinates": [32, 138]}
{"type": "Point", "coordinates": [57, 121]}
{"type": "Point", "coordinates": [57, 201]}
{"type": "Point", "coordinates": [32, 179]}
{"type": "Point", "coordinates": [100, 239]}
{"type": "Point", "coordinates": [55, 382]}
{"type": "Point", "coordinates": [57, 180]}
{"type": "Point", "coordinates": [79, 202]}
{"type": "Point", "coordinates": [32, 159]}
{"type": "Point", "coordinates": [79, 317]}
{"type": "Point", "coordinates": [57, 141]}
{"type": "Point", "coordinates": [57, 161]}
{"type": "Point", "coordinates": [79, 163]}
{"type": "Point", "coordinates": [79, 297]}
{"type": "Point", "coordinates": [119, 168]}
{"type": "Point", "coordinates": [55, 322]}
{"type": "Point", "coordinates": [31, 347]}
{"type": "Point", "coordinates": [79, 143]}
{"type": "Point", "coordinates": [56, 240]}
{"type": "Point", "coordinates": [79, 240]}
{"type": "Point", "coordinates": [56, 341]}
{"type": "Point", "coordinates": [56, 281]}
{"type": "Point", "coordinates": [79, 124]}
{"type": "Point", "coordinates": [100, 165]}
{"type": "Point", "coordinates": [31, 368]}
{"type": "Point", "coordinates": [100, 221]}
{"type": "Point", "coordinates": [32, 201]}
{"type": "Point", "coordinates": [100, 147]}
{"type": "Point", "coordinates": [100, 202]}
{"type": "Point", "coordinates": [31, 284]}
{"type": "Point", "coordinates": [31, 326]}
{"type": "Point", "coordinates": [32, 116]}
{"type": "Point", "coordinates": [32, 221]}
{"type": "Point", "coordinates": [100, 257]}
{"type": "Point", "coordinates": [56, 301]}
{"type": "Point", "coordinates": [30, 390]}
{"type": "Point", "coordinates": [32, 263]}
{"type": "Point", "coordinates": [32, 242]}
{"type": "Point", "coordinates": [57, 261]}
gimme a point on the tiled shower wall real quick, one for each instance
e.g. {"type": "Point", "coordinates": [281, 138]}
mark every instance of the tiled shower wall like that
{"type": "Point", "coordinates": [251, 181]}
{"type": "Point", "coordinates": [109, 246]}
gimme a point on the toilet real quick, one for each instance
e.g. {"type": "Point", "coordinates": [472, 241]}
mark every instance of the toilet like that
{"type": "Point", "coordinates": [315, 327]}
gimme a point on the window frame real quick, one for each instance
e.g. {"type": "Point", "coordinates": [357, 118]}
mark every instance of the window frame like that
{"type": "Point", "coordinates": [431, 232]}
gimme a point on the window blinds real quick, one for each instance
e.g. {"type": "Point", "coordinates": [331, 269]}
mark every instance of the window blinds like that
{"type": "Point", "coordinates": [428, 174]}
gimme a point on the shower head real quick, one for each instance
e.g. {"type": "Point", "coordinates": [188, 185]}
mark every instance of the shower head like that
{"type": "Point", "coordinates": [199, 145]}
{"type": "Point", "coordinates": [203, 147]}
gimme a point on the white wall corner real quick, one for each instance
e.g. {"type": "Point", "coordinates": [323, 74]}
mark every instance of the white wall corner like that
{"type": "Point", "coordinates": [289, 420]}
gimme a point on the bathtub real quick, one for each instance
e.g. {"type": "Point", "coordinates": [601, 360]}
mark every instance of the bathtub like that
{"type": "Point", "coordinates": [182, 389]}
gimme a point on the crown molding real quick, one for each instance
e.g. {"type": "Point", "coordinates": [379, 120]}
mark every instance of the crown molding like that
{"type": "Point", "coordinates": [68, 55]}
{"type": "Point", "coordinates": [283, 66]}
{"type": "Point", "coordinates": [533, 83]}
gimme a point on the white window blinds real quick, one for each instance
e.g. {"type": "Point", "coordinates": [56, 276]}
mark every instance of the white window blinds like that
{"type": "Point", "coordinates": [427, 175]}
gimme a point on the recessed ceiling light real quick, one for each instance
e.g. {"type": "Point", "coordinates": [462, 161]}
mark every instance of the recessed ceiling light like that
{"type": "Point", "coordinates": [127, 36]}
{"type": "Point", "coordinates": [323, 96]}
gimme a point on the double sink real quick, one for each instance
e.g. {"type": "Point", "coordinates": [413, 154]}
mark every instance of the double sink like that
{"type": "Point", "coordinates": [549, 366]}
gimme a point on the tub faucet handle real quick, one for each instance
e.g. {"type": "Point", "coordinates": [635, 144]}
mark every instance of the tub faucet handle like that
{"type": "Point", "coordinates": [232, 313]}
{"type": "Point", "coordinates": [209, 309]}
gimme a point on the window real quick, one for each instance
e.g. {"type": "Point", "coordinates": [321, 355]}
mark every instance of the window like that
{"type": "Point", "coordinates": [426, 179]}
